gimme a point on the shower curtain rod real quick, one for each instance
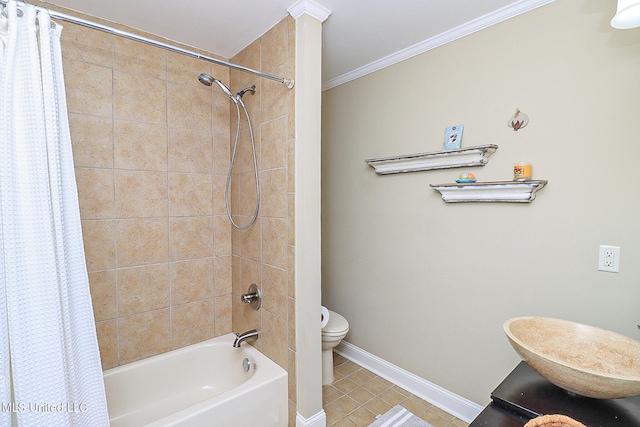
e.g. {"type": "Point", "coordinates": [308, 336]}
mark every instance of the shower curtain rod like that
{"type": "Point", "coordinates": [125, 34]}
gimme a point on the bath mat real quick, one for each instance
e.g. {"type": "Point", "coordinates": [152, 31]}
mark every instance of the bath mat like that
{"type": "Point", "coordinates": [399, 417]}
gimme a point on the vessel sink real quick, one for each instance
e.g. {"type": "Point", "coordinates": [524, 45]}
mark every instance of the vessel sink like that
{"type": "Point", "coordinates": [582, 359]}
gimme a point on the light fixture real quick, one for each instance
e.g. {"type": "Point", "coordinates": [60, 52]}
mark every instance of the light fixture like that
{"type": "Point", "coordinates": [627, 15]}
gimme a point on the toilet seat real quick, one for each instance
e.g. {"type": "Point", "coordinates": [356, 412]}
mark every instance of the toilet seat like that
{"type": "Point", "coordinates": [336, 326]}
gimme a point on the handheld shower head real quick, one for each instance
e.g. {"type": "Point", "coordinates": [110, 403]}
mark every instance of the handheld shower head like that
{"type": "Point", "coordinates": [207, 80]}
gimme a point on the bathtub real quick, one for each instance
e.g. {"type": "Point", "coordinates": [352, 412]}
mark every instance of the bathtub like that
{"type": "Point", "coordinates": [204, 384]}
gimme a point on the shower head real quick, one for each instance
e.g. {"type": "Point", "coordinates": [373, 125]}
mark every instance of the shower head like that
{"type": "Point", "coordinates": [207, 80]}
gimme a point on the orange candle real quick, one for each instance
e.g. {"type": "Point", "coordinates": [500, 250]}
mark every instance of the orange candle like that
{"type": "Point", "coordinates": [521, 171]}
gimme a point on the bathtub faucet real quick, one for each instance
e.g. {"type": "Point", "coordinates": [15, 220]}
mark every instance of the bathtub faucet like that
{"type": "Point", "coordinates": [247, 336]}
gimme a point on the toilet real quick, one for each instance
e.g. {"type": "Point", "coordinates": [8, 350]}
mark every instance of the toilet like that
{"type": "Point", "coordinates": [333, 332]}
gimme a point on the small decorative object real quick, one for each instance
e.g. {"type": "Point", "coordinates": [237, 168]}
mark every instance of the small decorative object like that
{"type": "Point", "coordinates": [518, 120]}
{"type": "Point", "coordinates": [522, 171]}
{"type": "Point", "coordinates": [452, 137]}
{"type": "Point", "coordinates": [466, 177]}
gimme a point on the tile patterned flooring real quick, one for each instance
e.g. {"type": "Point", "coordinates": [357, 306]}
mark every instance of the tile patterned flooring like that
{"type": "Point", "coordinates": [357, 395]}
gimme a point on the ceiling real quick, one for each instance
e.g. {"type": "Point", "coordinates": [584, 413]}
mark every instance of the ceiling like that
{"type": "Point", "coordinates": [360, 36]}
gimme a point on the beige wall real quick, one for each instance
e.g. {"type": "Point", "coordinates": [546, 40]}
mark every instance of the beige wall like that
{"type": "Point", "coordinates": [427, 285]}
{"type": "Point", "coordinates": [150, 161]}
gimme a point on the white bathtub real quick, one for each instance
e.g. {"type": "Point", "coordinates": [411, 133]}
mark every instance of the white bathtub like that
{"type": "Point", "coordinates": [201, 385]}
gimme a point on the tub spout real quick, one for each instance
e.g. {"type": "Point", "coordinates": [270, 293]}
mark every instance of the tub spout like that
{"type": "Point", "coordinates": [247, 336]}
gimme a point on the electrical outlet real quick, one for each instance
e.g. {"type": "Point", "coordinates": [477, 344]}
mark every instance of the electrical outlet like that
{"type": "Point", "coordinates": [609, 259]}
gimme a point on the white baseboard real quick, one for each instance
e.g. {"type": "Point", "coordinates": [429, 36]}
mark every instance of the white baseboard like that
{"type": "Point", "coordinates": [456, 405]}
{"type": "Point", "coordinates": [317, 420]}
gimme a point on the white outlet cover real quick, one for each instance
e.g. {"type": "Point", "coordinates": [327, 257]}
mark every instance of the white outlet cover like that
{"type": "Point", "coordinates": [615, 251]}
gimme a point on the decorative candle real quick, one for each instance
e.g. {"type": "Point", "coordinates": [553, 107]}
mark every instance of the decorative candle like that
{"type": "Point", "coordinates": [521, 171]}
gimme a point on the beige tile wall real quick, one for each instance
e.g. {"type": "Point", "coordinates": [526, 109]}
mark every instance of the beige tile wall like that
{"type": "Point", "coordinates": [264, 253]}
{"type": "Point", "coordinates": [151, 150]}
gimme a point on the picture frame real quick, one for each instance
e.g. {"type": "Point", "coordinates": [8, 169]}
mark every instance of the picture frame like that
{"type": "Point", "coordinates": [452, 137]}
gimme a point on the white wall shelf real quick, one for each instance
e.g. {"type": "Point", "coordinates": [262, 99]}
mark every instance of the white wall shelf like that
{"type": "Point", "coordinates": [462, 157]}
{"type": "Point", "coordinates": [498, 191]}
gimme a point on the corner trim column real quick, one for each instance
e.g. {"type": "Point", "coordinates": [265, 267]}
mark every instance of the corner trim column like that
{"type": "Point", "coordinates": [309, 16]}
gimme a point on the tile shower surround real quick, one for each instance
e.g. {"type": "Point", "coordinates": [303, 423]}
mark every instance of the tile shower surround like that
{"type": "Point", "coordinates": [151, 150]}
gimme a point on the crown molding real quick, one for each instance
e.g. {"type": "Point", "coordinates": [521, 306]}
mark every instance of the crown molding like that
{"type": "Point", "coordinates": [463, 30]}
{"type": "Point", "coordinates": [309, 7]}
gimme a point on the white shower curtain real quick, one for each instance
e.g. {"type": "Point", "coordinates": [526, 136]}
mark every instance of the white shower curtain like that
{"type": "Point", "coordinates": [49, 360]}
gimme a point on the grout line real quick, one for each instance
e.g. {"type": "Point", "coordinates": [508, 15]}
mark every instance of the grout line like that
{"type": "Point", "coordinates": [351, 377]}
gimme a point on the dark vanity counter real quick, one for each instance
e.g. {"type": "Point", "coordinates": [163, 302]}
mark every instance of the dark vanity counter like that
{"type": "Point", "coordinates": [524, 395]}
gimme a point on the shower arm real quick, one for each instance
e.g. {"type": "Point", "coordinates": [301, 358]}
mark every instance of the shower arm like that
{"type": "Point", "coordinates": [96, 26]}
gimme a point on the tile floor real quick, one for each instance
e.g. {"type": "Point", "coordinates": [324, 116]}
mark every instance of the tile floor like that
{"type": "Point", "coordinates": [357, 395]}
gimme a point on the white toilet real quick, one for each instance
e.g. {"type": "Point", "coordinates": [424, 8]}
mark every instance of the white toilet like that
{"type": "Point", "coordinates": [333, 332]}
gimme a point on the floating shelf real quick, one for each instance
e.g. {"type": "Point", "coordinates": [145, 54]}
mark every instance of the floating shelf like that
{"type": "Point", "coordinates": [499, 191]}
{"type": "Point", "coordinates": [462, 157]}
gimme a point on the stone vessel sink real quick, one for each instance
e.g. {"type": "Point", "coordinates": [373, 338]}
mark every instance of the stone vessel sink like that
{"type": "Point", "coordinates": [583, 359]}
